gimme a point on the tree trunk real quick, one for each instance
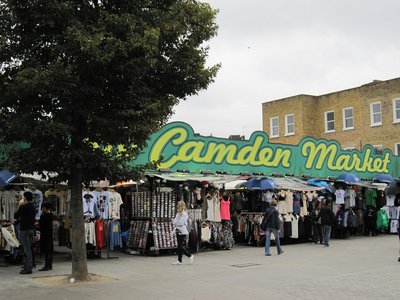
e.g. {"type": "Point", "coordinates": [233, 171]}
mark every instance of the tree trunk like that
{"type": "Point", "coordinates": [79, 258]}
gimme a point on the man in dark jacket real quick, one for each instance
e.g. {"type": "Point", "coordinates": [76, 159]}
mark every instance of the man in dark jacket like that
{"type": "Point", "coordinates": [273, 225]}
{"type": "Point", "coordinates": [46, 236]}
{"type": "Point", "coordinates": [26, 216]}
{"type": "Point", "coordinates": [328, 220]}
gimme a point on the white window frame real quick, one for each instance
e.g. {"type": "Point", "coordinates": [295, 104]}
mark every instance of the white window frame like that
{"type": "Point", "coordinates": [287, 133]}
{"type": "Point", "coordinates": [395, 119]}
{"type": "Point", "coordinates": [376, 146]}
{"type": "Point", "coordinates": [326, 121]}
{"type": "Point", "coordinates": [396, 149]}
{"type": "Point", "coordinates": [272, 127]}
{"type": "Point", "coordinates": [344, 118]}
{"type": "Point", "coordinates": [371, 105]}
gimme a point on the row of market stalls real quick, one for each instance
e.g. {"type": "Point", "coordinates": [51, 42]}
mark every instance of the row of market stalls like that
{"type": "Point", "coordinates": [248, 196]}
{"type": "Point", "coordinates": [224, 209]}
{"type": "Point", "coordinates": [143, 209]}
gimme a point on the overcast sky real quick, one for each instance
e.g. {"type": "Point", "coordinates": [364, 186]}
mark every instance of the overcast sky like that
{"type": "Point", "coordinates": [272, 49]}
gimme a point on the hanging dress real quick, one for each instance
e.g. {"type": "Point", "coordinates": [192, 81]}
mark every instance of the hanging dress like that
{"type": "Point", "coordinates": [217, 210]}
{"type": "Point", "coordinates": [225, 209]}
{"type": "Point", "coordinates": [210, 210]}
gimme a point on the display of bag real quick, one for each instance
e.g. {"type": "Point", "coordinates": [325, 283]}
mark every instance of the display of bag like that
{"type": "Point", "coordinates": [263, 225]}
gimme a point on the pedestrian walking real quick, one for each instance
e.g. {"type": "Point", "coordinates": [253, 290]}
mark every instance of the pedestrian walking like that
{"type": "Point", "coordinates": [180, 223]}
{"type": "Point", "coordinates": [272, 226]}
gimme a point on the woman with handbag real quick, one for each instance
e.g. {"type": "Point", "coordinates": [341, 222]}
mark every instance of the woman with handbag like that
{"type": "Point", "coordinates": [180, 223]}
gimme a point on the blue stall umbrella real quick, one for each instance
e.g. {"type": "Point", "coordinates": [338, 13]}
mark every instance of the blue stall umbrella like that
{"type": "Point", "coordinates": [384, 178]}
{"type": "Point", "coordinates": [349, 178]}
{"type": "Point", "coordinates": [321, 183]}
{"type": "Point", "coordinates": [6, 177]}
{"type": "Point", "coordinates": [261, 184]}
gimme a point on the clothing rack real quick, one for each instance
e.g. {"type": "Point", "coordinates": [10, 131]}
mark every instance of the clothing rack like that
{"type": "Point", "coordinates": [106, 250]}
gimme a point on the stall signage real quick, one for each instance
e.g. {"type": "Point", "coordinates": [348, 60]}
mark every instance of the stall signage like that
{"type": "Point", "coordinates": [178, 147]}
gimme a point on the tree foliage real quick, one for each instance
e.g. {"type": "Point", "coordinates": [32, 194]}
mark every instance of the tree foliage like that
{"type": "Point", "coordinates": [110, 72]}
{"type": "Point", "coordinates": [76, 74]}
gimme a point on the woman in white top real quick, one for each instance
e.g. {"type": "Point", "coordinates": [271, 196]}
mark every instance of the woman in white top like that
{"type": "Point", "coordinates": [180, 223]}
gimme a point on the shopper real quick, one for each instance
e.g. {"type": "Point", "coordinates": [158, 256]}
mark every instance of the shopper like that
{"type": "Point", "coordinates": [316, 223]}
{"type": "Point", "coordinates": [273, 226]}
{"type": "Point", "coordinates": [26, 216]}
{"type": "Point", "coordinates": [180, 223]}
{"type": "Point", "coordinates": [46, 236]}
{"type": "Point", "coordinates": [328, 220]}
{"type": "Point", "coordinates": [370, 221]}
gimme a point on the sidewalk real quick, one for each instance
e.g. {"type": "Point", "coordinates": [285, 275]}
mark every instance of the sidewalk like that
{"type": "Point", "coordinates": [356, 268]}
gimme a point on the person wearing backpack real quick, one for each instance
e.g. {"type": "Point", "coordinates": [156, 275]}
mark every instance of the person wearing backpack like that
{"type": "Point", "coordinates": [272, 226]}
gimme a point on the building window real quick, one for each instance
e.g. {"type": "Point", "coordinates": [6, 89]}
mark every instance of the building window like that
{"type": "Point", "coordinates": [274, 127]}
{"type": "Point", "coordinates": [348, 118]}
{"type": "Point", "coordinates": [329, 121]}
{"type": "Point", "coordinates": [376, 114]}
{"type": "Point", "coordinates": [397, 149]}
{"type": "Point", "coordinates": [289, 121]}
{"type": "Point", "coordinates": [378, 149]}
{"type": "Point", "coordinates": [396, 110]}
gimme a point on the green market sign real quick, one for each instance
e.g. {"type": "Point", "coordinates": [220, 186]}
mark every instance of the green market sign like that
{"type": "Point", "coordinates": [179, 147]}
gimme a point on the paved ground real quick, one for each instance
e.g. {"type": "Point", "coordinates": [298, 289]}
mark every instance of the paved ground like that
{"type": "Point", "coordinates": [357, 268]}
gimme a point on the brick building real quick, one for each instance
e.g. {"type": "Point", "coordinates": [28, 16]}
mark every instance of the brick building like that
{"type": "Point", "coordinates": [369, 114]}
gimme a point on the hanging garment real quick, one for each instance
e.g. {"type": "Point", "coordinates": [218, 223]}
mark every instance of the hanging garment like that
{"type": "Point", "coordinates": [115, 203]}
{"type": "Point", "coordinates": [296, 203]}
{"type": "Point", "coordinates": [90, 233]}
{"type": "Point", "coordinates": [89, 205]}
{"type": "Point", "coordinates": [289, 201]}
{"type": "Point", "coordinates": [37, 200]}
{"type": "Point", "coordinates": [225, 209]}
{"type": "Point", "coordinates": [382, 222]}
{"type": "Point", "coordinates": [8, 202]}
{"type": "Point", "coordinates": [394, 225]}
{"type": "Point", "coordinates": [392, 211]}
{"type": "Point", "coordinates": [370, 197]}
{"type": "Point", "coordinates": [115, 239]}
{"type": "Point", "coordinates": [102, 201]}
{"type": "Point", "coordinates": [339, 193]}
{"type": "Point", "coordinates": [210, 210]}
{"type": "Point", "coordinates": [304, 206]}
{"type": "Point", "coordinates": [390, 200]}
{"type": "Point", "coordinates": [217, 209]}
{"type": "Point", "coordinates": [100, 234]}
{"type": "Point", "coordinates": [295, 226]}
{"type": "Point", "coordinates": [225, 235]}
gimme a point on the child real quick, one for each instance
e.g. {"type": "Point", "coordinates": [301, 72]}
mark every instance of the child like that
{"type": "Point", "coordinates": [46, 236]}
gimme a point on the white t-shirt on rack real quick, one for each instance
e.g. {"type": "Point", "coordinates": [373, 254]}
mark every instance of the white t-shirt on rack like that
{"type": "Point", "coordinates": [339, 196]}
{"type": "Point", "coordinates": [114, 205]}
